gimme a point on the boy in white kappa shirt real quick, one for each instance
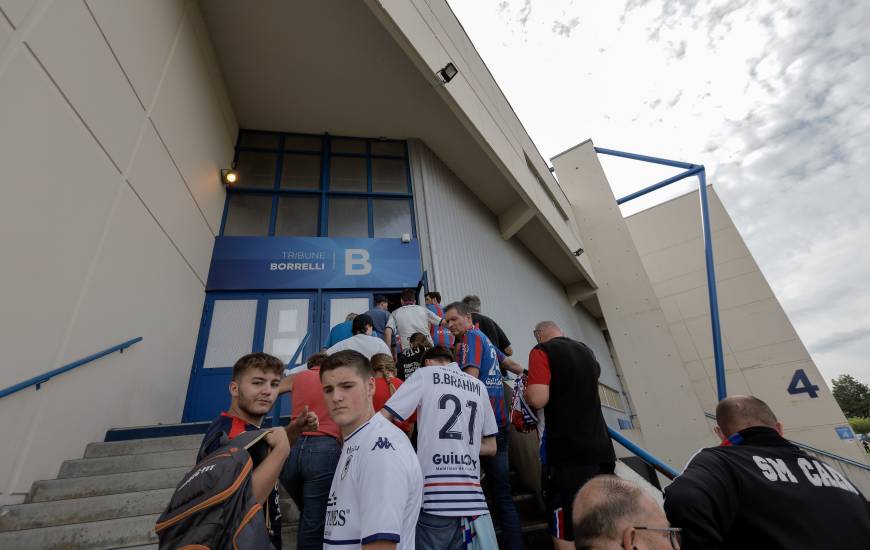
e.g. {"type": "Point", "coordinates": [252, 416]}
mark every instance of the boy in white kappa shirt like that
{"type": "Point", "coordinates": [456, 425]}
{"type": "Point", "coordinates": [377, 488]}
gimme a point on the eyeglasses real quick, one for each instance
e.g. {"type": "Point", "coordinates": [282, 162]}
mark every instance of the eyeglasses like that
{"type": "Point", "coordinates": [674, 534]}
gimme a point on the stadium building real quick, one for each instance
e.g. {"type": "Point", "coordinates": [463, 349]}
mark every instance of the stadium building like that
{"type": "Point", "coordinates": [373, 151]}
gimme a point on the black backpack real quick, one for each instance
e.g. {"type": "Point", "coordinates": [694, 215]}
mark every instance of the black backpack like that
{"type": "Point", "coordinates": [213, 507]}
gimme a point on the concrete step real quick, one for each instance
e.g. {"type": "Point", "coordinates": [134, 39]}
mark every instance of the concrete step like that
{"type": "Point", "coordinates": [127, 463]}
{"type": "Point", "coordinates": [140, 446]}
{"type": "Point", "coordinates": [81, 510]}
{"type": "Point", "coordinates": [96, 535]}
{"type": "Point", "coordinates": [130, 482]}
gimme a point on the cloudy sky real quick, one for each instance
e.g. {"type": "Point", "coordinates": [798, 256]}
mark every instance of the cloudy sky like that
{"type": "Point", "coordinates": [773, 97]}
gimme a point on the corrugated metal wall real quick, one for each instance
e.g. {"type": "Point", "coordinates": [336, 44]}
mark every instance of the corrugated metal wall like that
{"type": "Point", "coordinates": [464, 253]}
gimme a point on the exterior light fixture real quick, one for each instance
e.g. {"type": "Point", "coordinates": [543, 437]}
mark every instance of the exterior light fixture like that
{"type": "Point", "coordinates": [446, 74]}
{"type": "Point", "coordinates": [578, 252]}
{"type": "Point", "coordinates": [229, 176]}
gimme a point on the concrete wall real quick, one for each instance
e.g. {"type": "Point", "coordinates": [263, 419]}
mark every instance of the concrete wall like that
{"type": "Point", "coordinates": [670, 415]}
{"type": "Point", "coordinates": [467, 255]}
{"type": "Point", "coordinates": [114, 126]}
{"type": "Point", "coordinates": [762, 350]}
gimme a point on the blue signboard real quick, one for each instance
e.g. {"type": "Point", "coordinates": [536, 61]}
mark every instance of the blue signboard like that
{"type": "Point", "coordinates": [257, 263]}
{"type": "Point", "coordinates": [845, 432]}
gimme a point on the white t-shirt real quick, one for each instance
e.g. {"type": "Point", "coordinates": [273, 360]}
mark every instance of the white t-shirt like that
{"type": "Point", "coordinates": [454, 414]}
{"type": "Point", "coordinates": [376, 490]}
{"type": "Point", "coordinates": [411, 319]}
{"type": "Point", "coordinates": [363, 343]}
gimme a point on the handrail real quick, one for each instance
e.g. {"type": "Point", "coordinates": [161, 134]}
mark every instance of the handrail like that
{"type": "Point", "coordinates": [644, 455]}
{"type": "Point", "coordinates": [275, 413]}
{"type": "Point", "coordinates": [45, 377]}
{"type": "Point", "coordinates": [812, 449]}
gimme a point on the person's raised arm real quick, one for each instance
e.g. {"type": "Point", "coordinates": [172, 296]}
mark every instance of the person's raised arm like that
{"type": "Point", "coordinates": [512, 366]}
{"type": "Point", "coordinates": [265, 475]}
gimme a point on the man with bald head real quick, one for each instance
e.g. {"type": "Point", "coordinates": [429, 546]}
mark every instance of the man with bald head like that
{"type": "Point", "coordinates": [758, 490]}
{"type": "Point", "coordinates": [575, 445]}
{"type": "Point", "coordinates": [612, 513]}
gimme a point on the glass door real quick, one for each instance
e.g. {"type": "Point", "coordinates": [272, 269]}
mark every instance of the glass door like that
{"type": "Point", "coordinates": [235, 324]}
{"type": "Point", "coordinates": [336, 306]}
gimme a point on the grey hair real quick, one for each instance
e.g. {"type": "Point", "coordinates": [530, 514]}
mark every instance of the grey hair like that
{"type": "Point", "coordinates": [543, 325]}
{"type": "Point", "coordinates": [461, 308]}
{"type": "Point", "coordinates": [473, 302]}
{"type": "Point", "coordinates": [614, 500]}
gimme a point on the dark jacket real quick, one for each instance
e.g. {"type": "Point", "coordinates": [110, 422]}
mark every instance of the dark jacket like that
{"type": "Point", "coordinates": [765, 492]}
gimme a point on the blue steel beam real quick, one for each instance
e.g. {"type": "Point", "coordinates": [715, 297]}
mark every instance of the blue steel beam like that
{"type": "Point", "coordinates": [660, 466]}
{"type": "Point", "coordinates": [691, 170]}
{"type": "Point", "coordinates": [42, 378]}
{"type": "Point", "coordinates": [711, 288]}
{"type": "Point", "coordinates": [659, 185]}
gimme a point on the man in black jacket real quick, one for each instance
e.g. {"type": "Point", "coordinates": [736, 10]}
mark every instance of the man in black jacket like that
{"type": "Point", "coordinates": [758, 490]}
{"type": "Point", "coordinates": [563, 381]}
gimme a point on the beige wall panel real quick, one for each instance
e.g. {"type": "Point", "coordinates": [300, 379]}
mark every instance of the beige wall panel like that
{"type": "Point", "coordinates": [16, 10]}
{"type": "Point", "coordinates": [733, 268]}
{"type": "Point", "coordinates": [693, 303]}
{"type": "Point", "coordinates": [58, 194]}
{"type": "Point", "coordinates": [742, 289]}
{"type": "Point", "coordinates": [663, 264]}
{"type": "Point", "coordinates": [140, 287]}
{"type": "Point", "coordinates": [193, 134]}
{"type": "Point", "coordinates": [685, 344]}
{"type": "Point", "coordinates": [68, 43]}
{"type": "Point", "coordinates": [670, 413]}
{"type": "Point", "coordinates": [756, 324]}
{"type": "Point", "coordinates": [670, 309]}
{"type": "Point", "coordinates": [681, 283]}
{"type": "Point", "coordinates": [696, 371]}
{"type": "Point", "coordinates": [5, 34]}
{"type": "Point", "coordinates": [158, 183]}
{"type": "Point", "coordinates": [773, 354]}
{"type": "Point", "coordinates": [141, 35]}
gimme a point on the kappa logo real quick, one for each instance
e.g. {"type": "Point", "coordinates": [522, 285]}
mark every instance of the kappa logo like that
{"type": "Point", "coordinates": [383, 443]}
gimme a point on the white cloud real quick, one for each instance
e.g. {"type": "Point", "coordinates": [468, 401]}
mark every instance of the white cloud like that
{"type": "Point", "coordinates": [770, 95]}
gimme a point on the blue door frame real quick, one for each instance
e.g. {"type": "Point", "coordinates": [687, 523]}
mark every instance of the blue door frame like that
{"type": "Point", "coordinates": [207, 393]}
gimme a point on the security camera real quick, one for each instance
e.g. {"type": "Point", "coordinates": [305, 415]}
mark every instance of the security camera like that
{"type": "Point", "coordinates": [406, 237]}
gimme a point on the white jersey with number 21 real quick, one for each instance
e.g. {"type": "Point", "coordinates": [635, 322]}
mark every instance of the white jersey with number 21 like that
{"type": "Point", "coordinates": [454, 414]}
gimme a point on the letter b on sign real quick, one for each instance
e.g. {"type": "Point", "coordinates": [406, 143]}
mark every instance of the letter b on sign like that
{"type": "Point", "coordinates": [356, 261]}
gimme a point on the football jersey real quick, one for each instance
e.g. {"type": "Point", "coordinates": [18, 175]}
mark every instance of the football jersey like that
{"type": "Point", "coordinates": [474, 349]}
{"type": "Point", "coordinates": [376, 489]}
{"type": "Point", "coordinates": [453, 415]}
{"type": "Point", "coordinates": [440, 335]}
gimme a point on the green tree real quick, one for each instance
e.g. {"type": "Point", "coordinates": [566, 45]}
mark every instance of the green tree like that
{"type": "Point", "coordinates": [860, 425]}
{"type": "Point", "coordinates": [852, 396]}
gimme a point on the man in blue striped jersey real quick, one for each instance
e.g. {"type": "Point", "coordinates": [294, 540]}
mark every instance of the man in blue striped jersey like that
{"type": "Point", "coordinates": [456, 427]}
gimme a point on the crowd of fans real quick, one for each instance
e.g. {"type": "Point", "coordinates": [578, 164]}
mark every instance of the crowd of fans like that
{"type": "Point", "coordinates": [400, 426]}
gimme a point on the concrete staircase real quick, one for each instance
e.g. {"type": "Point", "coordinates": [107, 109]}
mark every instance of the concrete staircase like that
{"type": "Point", "coordinates": [109, 499]}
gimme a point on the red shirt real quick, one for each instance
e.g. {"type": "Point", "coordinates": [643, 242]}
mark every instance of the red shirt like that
{"type": "Point", "coordinates": [539, 368]}
{"type": "Point", "coordinates": [307, 390]}
{"type": "Point", "coordinates": [382, 395]}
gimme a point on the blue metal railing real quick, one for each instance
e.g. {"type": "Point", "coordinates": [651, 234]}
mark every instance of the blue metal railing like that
{"type": "Point", "coordinates": [275, 413]}
{"type": "Point", "coordinates": [812, 449]}
{"type": "Point", "coordinates": [644, 455]}
{"type": "Point", "coordinates": [690, 170]}
{"type": "Point", "coordinates": [39, 380]}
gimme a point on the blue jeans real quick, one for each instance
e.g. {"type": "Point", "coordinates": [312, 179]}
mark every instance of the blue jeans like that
{"type": "Point", "coordinates": [498, 481]}
{"type": "Point", "coordinates": [439, 532]}
{"type": "Point", "coordinates": [307, 476]}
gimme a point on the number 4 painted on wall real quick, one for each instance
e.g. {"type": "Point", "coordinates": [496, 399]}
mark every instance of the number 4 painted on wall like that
{"type": "Point", "coordinates": [800, 383]}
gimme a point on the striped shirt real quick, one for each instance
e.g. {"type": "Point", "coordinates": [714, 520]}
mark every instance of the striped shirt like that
{"type": "Point", "coordinates": [473, 349]}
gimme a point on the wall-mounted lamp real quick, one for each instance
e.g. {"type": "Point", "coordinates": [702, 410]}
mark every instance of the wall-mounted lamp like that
{"type": "Point", "coordinates": [446, 74]}
{"type": "Point", "coordinates": [578, 252]}
{"type": "Point", "coordinates": [229, 176]}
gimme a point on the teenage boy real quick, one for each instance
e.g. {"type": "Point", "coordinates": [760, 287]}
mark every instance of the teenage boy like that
{"type": "Point", "coordinates": [253, 390]}
{"type": "Point", "coordinates": [457, 426]}
{"type": "Point", "coordinates": [376, 491]}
